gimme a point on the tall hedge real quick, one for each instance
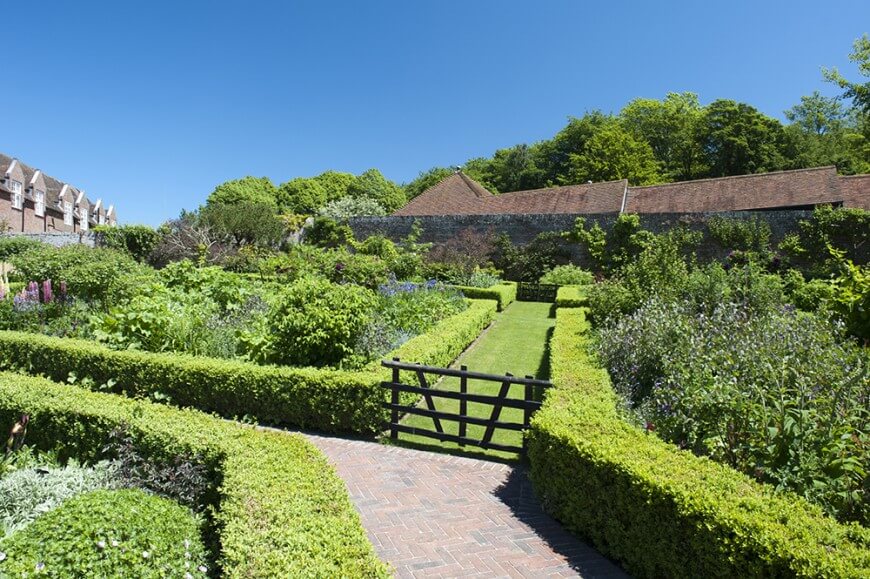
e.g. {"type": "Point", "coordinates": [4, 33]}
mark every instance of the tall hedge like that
{"type": "Point", "coordinates": [661, 511]}
{"type": "Point", "coordinates": [314, 398]}
{"type": "Point", "coordinates": [504, 293]}
{"type": "Point", "coordinates": [281, 511]}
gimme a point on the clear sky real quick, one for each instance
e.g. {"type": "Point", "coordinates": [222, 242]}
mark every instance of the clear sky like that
{"type": "Point", "coordinates": [151, 104]}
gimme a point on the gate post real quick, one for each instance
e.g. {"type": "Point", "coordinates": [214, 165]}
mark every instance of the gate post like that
{"type": "Point", "coordinates": [463, 403]}
{"type": "Point", "coordinates": [394, 416]}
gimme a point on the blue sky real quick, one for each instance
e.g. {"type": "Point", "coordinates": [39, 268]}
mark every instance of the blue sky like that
{"type": "Point", "coordinates": [151, 104]}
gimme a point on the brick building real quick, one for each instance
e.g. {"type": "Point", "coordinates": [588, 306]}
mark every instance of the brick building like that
{"type": "Point", "coordinates": [458, 194]}
{"type": "Point", "coordinates": [33, 202]}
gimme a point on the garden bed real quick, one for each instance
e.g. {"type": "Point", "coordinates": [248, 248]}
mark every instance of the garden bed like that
{"type": "Point", "coordinates": [281, 511]}
{"type": "Point", "coordinates": [322, 399]}
{"type": "Point", "coordinates": [660, 511]}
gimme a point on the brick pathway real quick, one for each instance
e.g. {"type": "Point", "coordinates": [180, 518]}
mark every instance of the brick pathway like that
{"type": "Point", "coordinates": [435, 515]}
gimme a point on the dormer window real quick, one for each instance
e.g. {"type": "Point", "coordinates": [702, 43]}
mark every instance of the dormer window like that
{"type": "Point", "coordinates": [68, 212]}
{"type": "Point", "coordinates": [39, 202]}
{"type": "Point", "coordinates": [102, 218]}
{"type": "Point", "coordinates": [83, 220]}
{"type": "Point", "coordinates": [17, 193]}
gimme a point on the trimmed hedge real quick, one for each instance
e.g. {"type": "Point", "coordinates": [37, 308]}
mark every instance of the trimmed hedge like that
{"type": "Point", "coordinates": [109, 533]}
{"type": "Point", "coordinates": [282, 511]}
{"type": "Point", "coordinates": [571, 296]}
{"type": "Point", "coordinates": [321, 399]}
{"type": "Point", "coordinates": [661, 511]}
{"type": "Point", "coordinates": [504, 293]}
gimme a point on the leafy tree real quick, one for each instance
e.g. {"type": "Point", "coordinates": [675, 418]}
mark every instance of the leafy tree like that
{"type": "Point", "coordinates": [858, 92]}
{"type": "Point", "coordinates": [245, 190]}
{"type": "Point", "coordinates": [515, 169]}
{"type": "Point", "coordinates": [335, 184]}
{"type": "Point", "coordinates": [327, 232]}
{"type": "Point", "coordinates": [738, 140]}
{"type": "Point", "coordinates": [301, 195]}
{"type": "Point", "coordinates": [374, 185]}
{"type": "Point", "coordinates": [554, 156]}
{"type": "Point", "coordinates": [347, 207]}
{"type": "Point", "coordinates": [137, 241]}
{"type": "Point", "coordinates": [670, 126]}
{"type": "Point", "coordinates": [817, 114]}
{"type": "Point", "coordinates": [611, 154]}
{"type": "Point", "coordinates": [245, 223]}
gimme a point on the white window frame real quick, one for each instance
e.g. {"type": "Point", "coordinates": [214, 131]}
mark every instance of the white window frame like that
{"type": "Point", "coordinates": [68, 212]}
{"type": "Point", "coordinates": [17, 189]}
{"type": "Point", "coordinates": [83, 219]}
{"type": "Point", "coordinates": [102, 219]}
{"type": "Point", "coordinates": [39, 202]}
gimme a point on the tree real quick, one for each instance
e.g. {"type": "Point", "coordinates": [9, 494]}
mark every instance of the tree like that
{"type": "Point", "coordinates": [301, 195]}
{"type": "Point", "coordinates": [670, 126]}
{"type": "Point", "coordinates": [245, 190]}
{"type": "Point", "coordinates": [335, 184]}
{"type": "Point", "coordinates": [514, 169]}
{"type": "Point", "coordinates": [611, 154]}
{"type": "Point", "coordinates": [738, 140]}
{"type": "Point", "coordinates": [554, 156]}
{"type": "Point", "coordinates": [374, 185]}
{"type": "Point", "coordinates": [858, 92]}
{"type": "Point", "coordinates": [245, 224]}
{"type": "Point", "coordinates": [817, 114]}
{"type": "Point", "coordinates": [347, 207]}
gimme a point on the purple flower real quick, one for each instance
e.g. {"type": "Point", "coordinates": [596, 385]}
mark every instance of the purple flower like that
{"type": "Point", "coordinates": [46, 291]}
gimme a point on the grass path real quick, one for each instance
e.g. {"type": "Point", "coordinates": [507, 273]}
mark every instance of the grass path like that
{"type": "Point", "coordinates": [517, 343]}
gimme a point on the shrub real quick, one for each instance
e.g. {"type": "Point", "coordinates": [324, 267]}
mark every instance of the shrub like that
{"type": "Point", "coordinates": [369, 271]}
{"type": "Point", "coordinates": [461, 255]}
{"type": "Point", "coordinates": [326, 232]}
{"type": "Point", "coordinates": [504, 293]}
{"type": "Point", "coordinates": [13, 245]}
{"type": "Point", "coordinates": [317, 323]}
{"type": "Point", "coordinates": [660, 511]}
{"type": "Point", "coordinates": [138, 241]}
{"type": "Point", "coordinates": [90, 273]}
{"type": "Point", "coordinates": [567, 275]}
{"type": "Point", "coordinates": [282, 512]}
{"type": "Point", "coordinates": [529, 262]}
{"type": "Point", "coordinates": [347, 207]}
{"type": "Point", "coordinates": [28, 493]}
{"type": "Point", "coordinates": [570, 296]}
{"type": "Point", "coordinates": [846, 231]}
{"type": "Point", "coordinates": [109, 533]}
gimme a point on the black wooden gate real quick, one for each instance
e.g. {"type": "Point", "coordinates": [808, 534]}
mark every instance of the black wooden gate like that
{"type": "Point", "coordinates": [529, 403]}
{"type": "Point", "coordinates": [536, 292]}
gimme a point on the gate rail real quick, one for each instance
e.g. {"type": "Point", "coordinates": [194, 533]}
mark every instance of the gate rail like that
{"type": "Point", "coordinates": [529, 404]}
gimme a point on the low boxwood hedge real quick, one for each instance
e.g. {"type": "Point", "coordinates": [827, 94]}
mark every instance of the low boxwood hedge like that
{"type": "Point", "coordinates": [281, 510]}
{"type": "Point", "coordinates": [320, 399]}
{"type": "Point", "coordinates": [571, 296]}
{"type": "Point", "coordinates": [661, 511]}
{"type": "Point", "coordinates": [504, 293]}
{"type": "Point", "coordinates": [109, 533]}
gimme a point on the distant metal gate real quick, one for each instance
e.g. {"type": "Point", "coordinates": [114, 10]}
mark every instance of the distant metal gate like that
{"type": "Point", "coordinates": [536, 292]}
{"type": "Point", "coordinates": [531, 401]}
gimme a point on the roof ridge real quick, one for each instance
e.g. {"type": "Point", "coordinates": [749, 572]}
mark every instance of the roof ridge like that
{"type": "Point", "coordinates": [563, 187]}
{"type": "Point", "coordinates": [734, 177]}
{"type": "Point", "coordinates": [472, 184]}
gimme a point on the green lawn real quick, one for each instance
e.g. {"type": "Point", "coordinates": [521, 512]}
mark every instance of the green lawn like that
{"type": "Point", "coordinates": [517, 343]}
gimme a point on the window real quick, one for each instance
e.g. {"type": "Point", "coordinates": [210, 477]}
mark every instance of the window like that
{"type": "Point", "coordinates": [68, 212]}
{"type": "Point", "coordinates": [102, 218]}
{"type": "Point", "coordinates": [83, 219]}
{"type": "Point", "coordinates": [39, 202]}
{"type": "Point", "coordinates": [17, 196]}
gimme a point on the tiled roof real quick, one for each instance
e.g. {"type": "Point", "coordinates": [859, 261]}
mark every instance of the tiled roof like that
{"type": "Point", "coordinates": [458, 194]}
{"type": "Point", "coordinates": [53, 187]}
{"type": "Point", "coordinates": [799, 188]}
{"type": "Point", "coordinates": [856, 191]}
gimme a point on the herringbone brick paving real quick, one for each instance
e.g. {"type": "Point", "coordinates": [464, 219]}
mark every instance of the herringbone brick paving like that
{"type": "Point", "coordinates": [435, 515]}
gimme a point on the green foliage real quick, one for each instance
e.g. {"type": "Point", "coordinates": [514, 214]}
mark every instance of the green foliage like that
{"type": "Point", "coordinates": [245, 223]}
{"type": "Point", "coordinates": [660, 511]}
{"type": "Point", "coordinates": [739, 140]}
{"type": "Point", "coordinates": [858, 92]}
{"type": "Point", "coordinates": [301, 195]}
{"type": "Point", "coordinates": [327, 232]}
{"type": "Point", "coordinates": [612, 153]}
{"type": "Point", "coordinates": [136, 240]}
{"type": "Point", "coordinates": [373, 185]}
{"type": "Point", "coordinates": [317, 323]}
{"type": "Point", "coordinates": [13, 245]}
{"type": "Point", "coordinates": [751, 235]}
{"type": "Point", "coordinates": [851, 299]}
{"type": "Point", "coordinates": [504, 293]}
{"type": "Point", "coordinates": [347, 207]}
{"type": "Point", "coordinates": [425, 180]}
{"type": "Point", "coordinates": [789, 410]}
{"type": "Point", "coordinates": [321, 399]}
{"type": "Point", "coordinates": [335, 184]}
{"type": "Point", "coordinates": [377, 245]}
{"type": "Point", "coordinates": [90, 273]}
{"type": "Point", "coordinates": [529, 262]}
{"type": "Point", "coordinates": [245, 190]}
{"type": "Point", "coordinates": [109, 533]}
{"type": "Point", "coordinates": [570, 296]}
{"type": "Point", "coordinates": [614, 248]}
{"type": "Point", "coordinates": [25, 494]}
{"type": "Point", "coordinates": [567, 275]}
{"type": "Point", "coordinates": [841, 230]}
